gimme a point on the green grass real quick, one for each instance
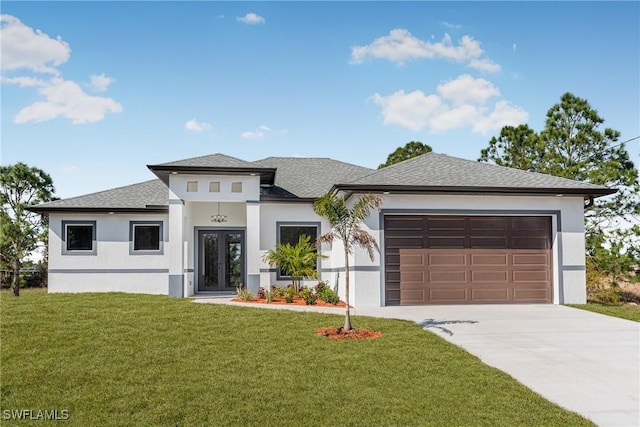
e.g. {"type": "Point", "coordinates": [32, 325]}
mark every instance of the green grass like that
{"type": "Point", "coordinates": [141, 360]}
{"type": "Point", "coordinates": [628, 312]}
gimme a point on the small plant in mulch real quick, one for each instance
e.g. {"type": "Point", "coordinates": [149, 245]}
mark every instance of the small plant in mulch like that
{"type": "Point", "coordinates": [244, 294]}
{"type": "Point", "coordinates": [308, 296]}
{"type": "Point", "coordinates": [340, 333]}
{"type": "Point", "coordinates": [260, 294]}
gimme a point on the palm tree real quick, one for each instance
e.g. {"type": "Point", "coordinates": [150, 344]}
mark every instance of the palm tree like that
{"type": "Point", "coordinates": [346, 226]}
{"type": "Point", "coordinates": [297, 261]}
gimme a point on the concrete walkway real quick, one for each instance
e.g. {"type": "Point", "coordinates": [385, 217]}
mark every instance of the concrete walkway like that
{"type": "Point", "coordinates": [586, 362]}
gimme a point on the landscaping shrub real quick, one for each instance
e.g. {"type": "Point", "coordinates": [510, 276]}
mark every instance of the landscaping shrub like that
{"type": "Point", "coordinates": [277, 291]}
{"type": "Point", "coordinates": [289, 294]}
{"type": "Point", "coordinates": [308, 296]}
{"type": "Point", "coordinates": [325, 293]}
{"type": "Point", "coordinates": [244, 294]}
{"type": "Point", "coordinates": [260, 293]}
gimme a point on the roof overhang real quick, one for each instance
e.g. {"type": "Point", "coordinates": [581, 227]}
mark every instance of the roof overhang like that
{"type": "Point", "coordinates": [267, 175]}
{"type": "Point", "coordinates": [47, 210]}
{"type": "Point", "coordinates": [586, 193]}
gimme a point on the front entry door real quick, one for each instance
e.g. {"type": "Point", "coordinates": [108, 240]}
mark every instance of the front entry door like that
{"type": "Point", "coordinates": [220, 260]}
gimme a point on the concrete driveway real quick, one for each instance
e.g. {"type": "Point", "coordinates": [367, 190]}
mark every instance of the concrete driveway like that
{"type": "Point", "coordinates": [586, 362]}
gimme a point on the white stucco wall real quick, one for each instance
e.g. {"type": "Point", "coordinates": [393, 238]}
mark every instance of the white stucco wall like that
{"type": "Point", "coordinates": [112, 268]}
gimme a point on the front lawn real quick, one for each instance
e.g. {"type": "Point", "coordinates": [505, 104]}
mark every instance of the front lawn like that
{"type": "Point", "coordinates": [629, 312]}
{"type": "Point", "coordinates": [141, 360]}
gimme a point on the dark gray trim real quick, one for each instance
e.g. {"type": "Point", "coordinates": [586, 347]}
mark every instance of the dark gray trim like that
{"type": "Point", "coordinates": [176, 202]}
{"type": "Point", "coordinates": [280, 224]}
{"type": "Point", "coordinates": [107, 270]}
{"type": "Point", "coordinates": [188, 270]}
{"type": "Point", "coordinates": [253, 202]}
{"type": "Point", "coordinates": [277, 199]}
{"type": "Point", "coordinates": [94, 244]}
{"type": "Point", "coordinates": [159, 251]}
{"type": "Point", "coordinates": [516, 191]}
{"type": "Point", "coordinates": [47, 210]}
{"type": "Point", "coordinates": [574, 268]}
{"type": "Point", "coordinates": [176, 285]}
{"type": "Point", "coordinates": [354, 268]}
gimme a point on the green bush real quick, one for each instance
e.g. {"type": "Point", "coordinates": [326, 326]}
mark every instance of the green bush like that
{"type": "Point", "coordinates": [308, 296]}
{"type": "Point", "coordinates": [277, 292]}
{"type": "Point", "coordinates": [289, 294]}
{"type": "Point", "coordinates": [325, 293]}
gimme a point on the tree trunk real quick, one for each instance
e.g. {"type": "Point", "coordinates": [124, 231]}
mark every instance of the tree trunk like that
{"type": "Point", "coordinates": [347, 316]}
{"type": "Point", "coordinates": [16, 278]}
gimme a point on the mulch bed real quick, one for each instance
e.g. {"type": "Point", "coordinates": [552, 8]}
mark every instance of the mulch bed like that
{"type": "Point", "coordinates": [345, 334]}
{"type": "Point", "coordinates": [296, 301]}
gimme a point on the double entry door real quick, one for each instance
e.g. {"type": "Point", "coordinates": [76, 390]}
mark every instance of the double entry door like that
{"type": "Point", "coordinates": [220, 260]}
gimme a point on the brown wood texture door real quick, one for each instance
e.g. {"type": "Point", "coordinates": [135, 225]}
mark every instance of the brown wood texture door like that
{"type": "Point", "coordinates": [467, 260]}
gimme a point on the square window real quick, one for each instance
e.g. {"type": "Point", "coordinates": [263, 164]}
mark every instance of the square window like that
{"type": "Point", "coordinates": [192, 186]}
{"type": "Point", "coordinates": [236, 187]}
{"type": "Point", "coordinates": [79, 237]}
{"type": "Point", "coordinates": [214, 187]}
{"type": "Point", "coordinates": [291, 233]}
{"type": "Point", "coordinates": [145, 237]}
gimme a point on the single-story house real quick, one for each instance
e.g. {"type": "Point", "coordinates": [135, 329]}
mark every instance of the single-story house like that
{"type": "Point", "coordinates": [451, 231]}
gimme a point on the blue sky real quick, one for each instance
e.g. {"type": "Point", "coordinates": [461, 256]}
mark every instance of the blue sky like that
{"type": "Point", "coordinates": [92, 92]}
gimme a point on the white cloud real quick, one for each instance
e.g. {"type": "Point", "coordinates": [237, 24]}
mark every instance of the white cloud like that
{"type": "Point", "coordinates": [196, 126]}
{"type": "Point", "coordinates": [515, 46]}
{"type": "Point", "coordinates": [465, 89]}
{"type": "Point", "coordinates": [65, 98]}
{"type": "Point", "coordinates": [260, 132]}
{"type": "Point", "coordinates": [22, 47]}
{"type": "Point", "coordinates": [251, 19]}
{"type": "Point", "coordinates": [33, 51]}
{"type": "Point", "coordinates": [400, 46]}
{"type": "Point", "coordinates": [100, 83]}
{"type": "Point", "coordinates": [450, 25]}
{"type": "Point", "coordinates": [459, 103]}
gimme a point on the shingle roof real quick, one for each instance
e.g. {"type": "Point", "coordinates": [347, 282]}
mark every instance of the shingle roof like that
{"type": "Point", "coordinates": [131, 197]}
{"type": "Point", "coordinates": [307, 177]}
{"type": "Point", "coordinates": [217, 160]}
{"type": "Point", "coordinates": [439, 170]}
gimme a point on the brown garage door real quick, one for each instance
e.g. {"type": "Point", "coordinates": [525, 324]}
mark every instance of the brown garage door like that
{"type": "Point", "coordinates": [467, 259]}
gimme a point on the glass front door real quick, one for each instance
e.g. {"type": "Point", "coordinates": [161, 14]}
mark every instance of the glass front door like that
{"type": "Point", "coordinates": [220, 260]}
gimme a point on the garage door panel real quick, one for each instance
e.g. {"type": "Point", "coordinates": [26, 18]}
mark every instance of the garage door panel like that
{"type": "Point", "coordinates": [448, 276]}
{"type": "Point", "coordinates": [531, 295]}
{"type": "Point", "coordinates": [498, 295]}
{"type": "Point", "coordinates": [524, 259]}
{"type": "Point", "coordinates": [530, 276]}
{"type": "Point", "coordinates": [404, 223]}
{"type": "Point", "coordinates": [446, 242]}
{"type": "Point", "coordinates": [469, 260]}
{"type": "Point", "coordinates": [446, 259]}
{"type": "Point", "coordinates": [490, 276]}
{"type": "Point", "coordinates": [448, 295]}
{"type": "Point", "coordinates": [483, 259]}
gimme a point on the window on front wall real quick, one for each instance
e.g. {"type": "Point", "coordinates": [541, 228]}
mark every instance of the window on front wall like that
{"type": "Point", "coordinates": [192, 186]}
{"type": "Point", "coordinates": [145, 237]}
{"type": "Point", "coordinates": [79, 237]}
{"type": "Point", "coordinates": [290, 233]}
{"type": "Point", "coordinates": [236, 187]}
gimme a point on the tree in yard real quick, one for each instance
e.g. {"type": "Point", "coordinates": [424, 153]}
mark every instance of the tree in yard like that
{"type": "Point", "coordinates": [297, 261]}
{"type": "Point", "coordinates": [21, 186]}
{"type": "Point", "coordinates": [406, 152]}
{"type": "Point", "coordinates": [346, 225]}
{"type": "Point", "coordinates": [573, 145]}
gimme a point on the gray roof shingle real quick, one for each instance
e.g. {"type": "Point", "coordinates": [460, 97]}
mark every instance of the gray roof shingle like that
{"type": "Point", "coordinates": [308, 177]}
{"type": "Point", "coordinates": [217, 160]}
{"type": "Point", "coordinates": [439, 170]}
{"type": "Point", "coordinates": [136, 196]}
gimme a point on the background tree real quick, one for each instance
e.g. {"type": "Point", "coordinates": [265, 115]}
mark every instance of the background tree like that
{"type": "Point", "coordinates": [573, 145]}
{"type": "Point", "coordinates": [406, 152]}
{"type": "Point", "coordinates": [21, 186]}
{"type": "Point", "coordinates": [517, 147]}
{"type": "Point", "coordinates": [346, 225]}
